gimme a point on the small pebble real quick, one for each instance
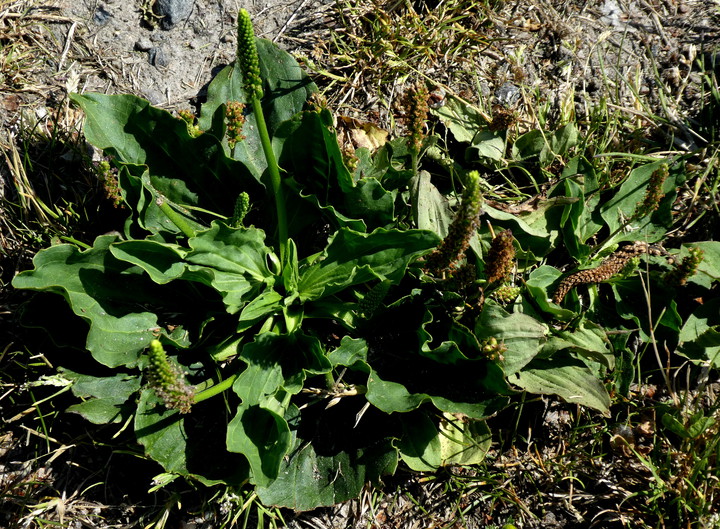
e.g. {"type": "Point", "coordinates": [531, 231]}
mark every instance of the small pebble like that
{"type": "Point", "coordinates": [143, 44]}
{"type": "Point", "coordinates": [157, 58]}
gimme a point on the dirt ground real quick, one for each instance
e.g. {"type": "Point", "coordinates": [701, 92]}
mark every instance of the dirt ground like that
{"type": "Point", "coordinates": [571, 53]}
{"type": "Point", "coordinates": [568, 53]}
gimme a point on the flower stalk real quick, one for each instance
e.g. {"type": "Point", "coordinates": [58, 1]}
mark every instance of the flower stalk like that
{"type": "Point", "coordinates": [174, 216]}
{"type": "Point", "coordinates": [249, 64]}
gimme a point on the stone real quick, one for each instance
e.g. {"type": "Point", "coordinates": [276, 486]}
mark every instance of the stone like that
{"type": "Point", "coordinates": [173, 11]}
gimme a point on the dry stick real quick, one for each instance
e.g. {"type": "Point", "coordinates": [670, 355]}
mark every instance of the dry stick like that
{"type": "Point", "coordinates": [68, 42]}
{"type": "Point", "coordinates": [46, 18]}
{"type": "Point", "coordinates": [289, 21]}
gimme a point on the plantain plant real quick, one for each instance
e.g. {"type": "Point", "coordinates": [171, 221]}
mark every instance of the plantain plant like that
{"type": "Point", "coordinates": [271, 317]}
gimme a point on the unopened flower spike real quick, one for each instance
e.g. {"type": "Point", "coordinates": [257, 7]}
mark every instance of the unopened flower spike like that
{"type": "Point", "coordinates": [373, 299]}
{"type": "Point", "coordinates": [242, 206]}
{"type": "Point", "coordinates": [167, 380]}
{"type": "Point", "coordinates": [247, 56]}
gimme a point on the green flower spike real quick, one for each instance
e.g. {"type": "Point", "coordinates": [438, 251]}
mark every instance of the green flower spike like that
{"type": "Point", "coordinates": [374, 298]}
{"type": "Point", "coordinates": [167, 380]}
{"type": "Point", "coordinates": [247, 56]}
{"type": "Point", "coordinates": [242, 206]}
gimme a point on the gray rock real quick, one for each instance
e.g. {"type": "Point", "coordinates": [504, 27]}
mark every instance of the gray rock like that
{"type": "Point", "coordinates": [143, 44]}
{"type": "Point", "coordinates": [101, 15]}
{"type": "Point", "coordinates": [156, 56]}
{"type": "Point", "coordinates": [173, 11]}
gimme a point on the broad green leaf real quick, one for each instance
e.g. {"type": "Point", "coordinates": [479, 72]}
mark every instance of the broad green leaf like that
{"type": "Point", "coordinates": [540, 286]}
{"type": "Point", "coordinates": [699, 424]}
{"type": "Point", "coordinates": [393, 397]}
{"type": "Point", "coordinates": [311, 153]}
{"type": "Point", "coordinates": [420, 443]}
{"type": "Point", "coordinates": [565, 377]}
{"type": "Point", "coordinates": [106, 118]}
{"type": "Point", "coordinates": [457, 440]}
{"type": "Point", "coordinates": [190, 445]}
{"type": "Point", "coordinates": [105, 399]}
{"type": "Point", "coordinates": [537, 230]}
{"type": "Point", "coordinates": [546, 146]}
{"type": "Point", "coordinates": [522, 335]}
{"type": "Point", "coordinates": [696, 426]}
{"type": "Point", "coordinates": [529, 145]}
{"type": "Point", "coordinates": [277, 366]}
{"type": "Point", "coordinates": [231, 260]}
{"type": "Point", "coordinates": [163, 262]}
{"type": "Point", "coordinates": [192, 171]}
{"type": "Point", "coordinates": [632, 304]}
{"type": "Point", "coordinates": [487, 146]}
{"type": "Point", "coordinates": [329, 462]}
{"type": "Point", "coordinates": [278, 362]}
{"type": "Point", "coordinates": [89, 281]}
{"type": "Point", "coordinates": [305, 212]}
{"type": "Point", "coordinates": [286, 88]}
{"type": "Point", "coordinates": [561, 141]}
{"type": "Point", "coordinates": [352, 258]}
{"type": "Point", "coordinates": [700, 335]}
{"type": "Point", "coordinates": [352, 352]}
{"type": "Point", "coordinates": [709, 268]}
{"type": "Point", "coordinates": [430, 208]}
{"type": "Point", "coordinates": [262, 306]}
{"type": "Point", "coordinates": [476, 384]}
{"type": "Point", "coordinates": [370, 201]}
{"type": "Point", "coordinates": [618, 212]}
{"type": "Point", "coordinates": [462, 119]}
{"type": "Point", "coordinates": [263, 437]}
{"type": "Point", "coordinates": [588, 340]}
{"type": "Point", "coordinates": [578, 220]}
{"type": "Point", "coordinates": [674, 425]}
{"type": "Point", "coordinates": [463, 441]}
{"type": "Point", "coordinates": [161, 431]}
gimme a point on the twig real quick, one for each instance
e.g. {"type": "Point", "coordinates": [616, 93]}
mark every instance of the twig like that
{"type": "Point", "coordinates": [68, 42]}
{"type": "Point", "coordinates": [289, 21]}
{"type": "Point", "coordinates": [39, 16]}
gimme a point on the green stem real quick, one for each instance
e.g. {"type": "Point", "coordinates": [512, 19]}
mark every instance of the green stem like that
{"type": "Point", "coordinates": [414, 161]}
{"type": "Point", "coordinates": [329, 380]}
{"type": "Point", "coordinates": [216, 389]}
{"type": "Point", "coordinates": [275, 181]}
{"type": "Point", "coordinates": [174, 217]}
